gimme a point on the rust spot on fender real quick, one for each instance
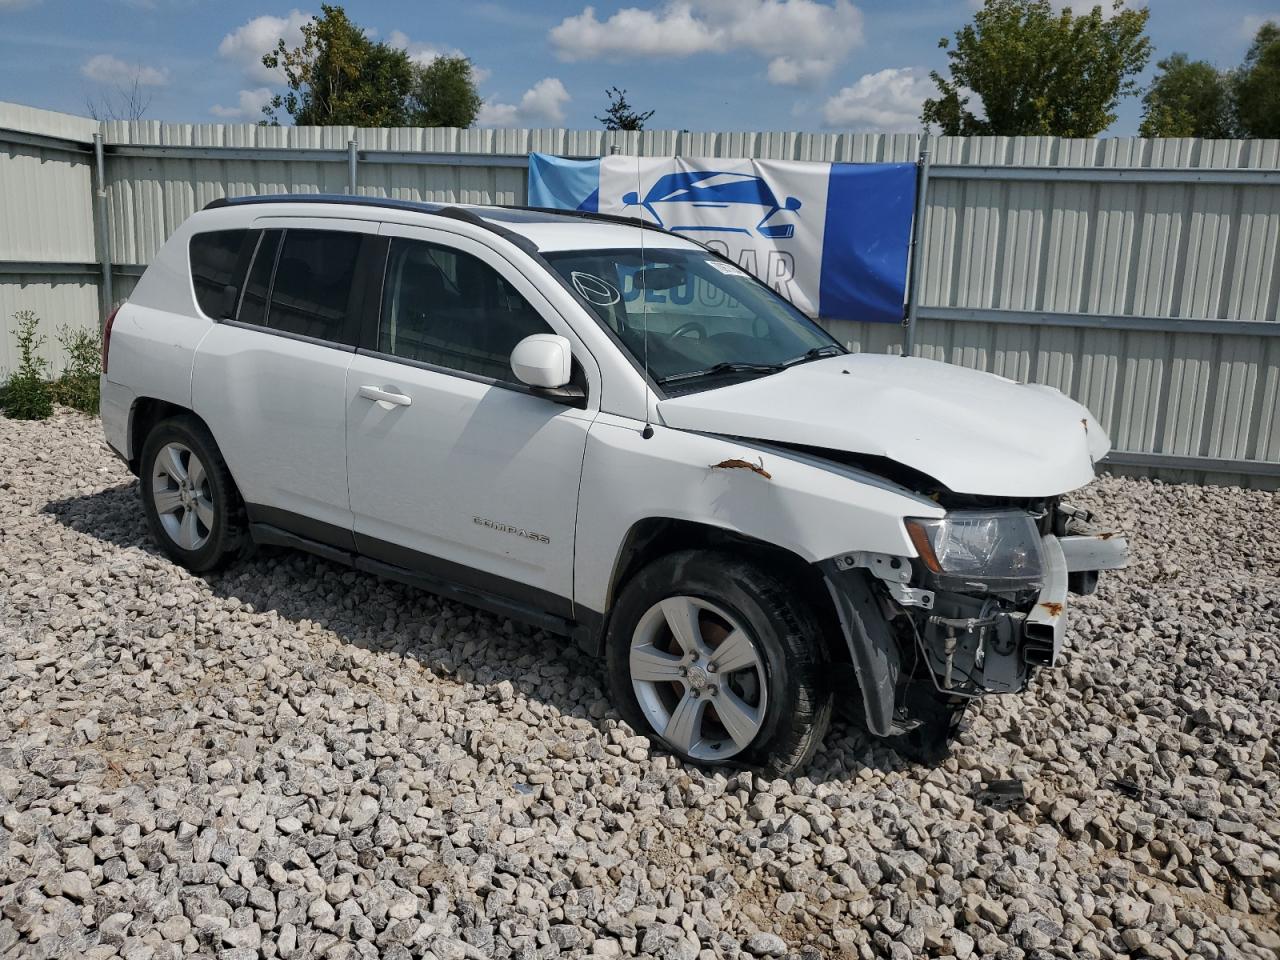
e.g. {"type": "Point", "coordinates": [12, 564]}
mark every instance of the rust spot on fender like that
{"type": "Point", "coordinates": [1084, 423]}
{"type": "Point", "coordinates": [1106, 536]}
{"type": "Point", "coordinates": [736, 464]}
{"type": "Point", "coordinates": [1052, 609]}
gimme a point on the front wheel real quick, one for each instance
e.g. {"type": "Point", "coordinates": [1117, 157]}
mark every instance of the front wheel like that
{"type": "Point", "coordinates": [717, 658]}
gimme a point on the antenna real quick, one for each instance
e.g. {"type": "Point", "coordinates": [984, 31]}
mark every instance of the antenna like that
{"type": "Point", "coordinates": [644, 306]}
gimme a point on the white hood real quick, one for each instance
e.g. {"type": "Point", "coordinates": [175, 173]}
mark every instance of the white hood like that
{"type": "Point", "coordinates": [975, 432]}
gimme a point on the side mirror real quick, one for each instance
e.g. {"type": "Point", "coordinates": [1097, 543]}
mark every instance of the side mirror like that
{"type": "Point", "coordinates": [793, 203]}
{"type": "Point", "coordinates": [544, 360]}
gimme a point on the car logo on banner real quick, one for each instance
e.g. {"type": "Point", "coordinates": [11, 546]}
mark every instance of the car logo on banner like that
{"type": "Point", "coordinates": [718, 201]}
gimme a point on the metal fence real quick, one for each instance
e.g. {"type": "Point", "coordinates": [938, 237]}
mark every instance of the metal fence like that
{"type": "Point", "coordinates": [1141, 277]}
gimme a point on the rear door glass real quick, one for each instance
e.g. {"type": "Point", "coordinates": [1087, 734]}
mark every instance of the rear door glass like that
{"type": "Point", "coordinates": [313, 284]}
{"type": "Point", "coordinates": [253, 305]}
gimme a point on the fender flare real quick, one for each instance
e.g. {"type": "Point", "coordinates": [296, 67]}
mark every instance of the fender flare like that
{"type": "Point", "coordinates": [872, 646]}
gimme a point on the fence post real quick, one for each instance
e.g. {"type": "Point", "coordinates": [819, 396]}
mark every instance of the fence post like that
{"type": "Point", "coordinates": [917, 247]}
{"type": "Point", "coordinates": [101, 227]}
{"type": "Point", "coordinates": [353, 157]}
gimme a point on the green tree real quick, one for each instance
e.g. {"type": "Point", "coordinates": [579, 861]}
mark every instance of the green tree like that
{"type": "Point", "coordinates": [339, 76]}
{"type": "Point", "coordinates": [444, 94]}
{"type": "Point", "coordinates": [621, 115]}
{"type": "Point", "coordinates": [1187, 98]}
{"type": "Point", "coordinates": [1256, 86]}
{"type": "Point", "coordinates": [1039, 72]}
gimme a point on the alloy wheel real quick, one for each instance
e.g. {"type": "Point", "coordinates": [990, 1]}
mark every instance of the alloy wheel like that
{"type": "Point", "coordinates": [182, 497]}
{"type": "Point", "coordinates": [699, 678]}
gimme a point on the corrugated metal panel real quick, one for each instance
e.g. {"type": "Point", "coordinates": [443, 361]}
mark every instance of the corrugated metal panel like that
{"type": "Point", "coordinates": [47, 123]}
{"type": "Point", "coordinates": [67, 302]}
{"type": "Point", "coordinates": [46, 199]}
{"type": "Point", "coordinates": [990, 242]}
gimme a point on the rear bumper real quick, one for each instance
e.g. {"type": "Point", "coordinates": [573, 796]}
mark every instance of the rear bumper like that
{"type": "Point", "coordinates": [116, 407]}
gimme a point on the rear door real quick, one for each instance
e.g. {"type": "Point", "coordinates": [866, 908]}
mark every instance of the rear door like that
{"type": "Point", "coordinates": [456, 469]}
{"type": "Point", "coordinates": [270, 378]}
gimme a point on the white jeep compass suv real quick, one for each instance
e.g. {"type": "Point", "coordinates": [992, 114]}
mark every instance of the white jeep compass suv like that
{"type": "Point", "coordinates": [611, 432]}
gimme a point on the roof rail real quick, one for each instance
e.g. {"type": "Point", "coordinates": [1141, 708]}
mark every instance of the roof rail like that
{"type": "Point", "coordinates": [471, 217]}
{"type": "Point", "coordinates": [595, 215]}
{"type": "Point", "coordinates": [626, 221]}
{"type": "Point", "coordinates": [391, 203]}
{"type": "Point", "coordinates": [465, 214]}
{"type": "Point", "coordinates": [342, 198]}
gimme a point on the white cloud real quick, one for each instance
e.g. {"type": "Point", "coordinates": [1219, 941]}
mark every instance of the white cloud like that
{"type": "Point", "coordinates": [1250, 24]}
{"type": "Point", "coordinates": [672, 32]}
{"type": "Point", "coordinates": [885, 102]}
{"type": "Point", "coordinates": [105, 68]}
{"type": "Point", "coordinates": [497, 115]}
{"type": "Point", "coordinates": [804, 39]}
{"type": "Point", "coordinates": [541, 105]}
{"type": "Point", "coordinates": [793, 72]}
{"type": "Point", "coordinates": [249, 107]}
{"type": "Point", "coordinates": [419, 53]}
{"type": "Point", "coordinates": [247, 43]}
{"type": "Point", "coordinates": [423, 53]}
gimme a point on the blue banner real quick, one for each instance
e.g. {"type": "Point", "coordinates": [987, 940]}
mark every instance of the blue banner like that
{"type": "Point", "coordinates": [831, 237]}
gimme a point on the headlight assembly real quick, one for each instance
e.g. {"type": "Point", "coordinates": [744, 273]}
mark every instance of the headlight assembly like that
{"type": "Point", "coordinates": [980, 549]}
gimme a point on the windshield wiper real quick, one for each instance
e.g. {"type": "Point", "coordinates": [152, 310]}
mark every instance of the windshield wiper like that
{"type": "Point", "coordinates": [828, 350]}
{"type": "Point", "coordinates": [725, 366]}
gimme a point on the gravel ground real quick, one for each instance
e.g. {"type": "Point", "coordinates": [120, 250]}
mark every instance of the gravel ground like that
{"type": "Point", "coordinates": [290, 759]}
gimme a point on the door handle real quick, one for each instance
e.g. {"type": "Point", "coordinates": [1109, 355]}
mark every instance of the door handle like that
{"type": "Point", "coordinates": [378, 395]}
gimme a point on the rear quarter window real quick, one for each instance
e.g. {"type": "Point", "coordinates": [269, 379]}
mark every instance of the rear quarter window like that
{"type": "Point", "coordinates": [217, 270]}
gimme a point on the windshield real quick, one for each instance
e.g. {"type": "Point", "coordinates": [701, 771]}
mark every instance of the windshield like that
{"type": "Point", "coordinates": [709, 323]}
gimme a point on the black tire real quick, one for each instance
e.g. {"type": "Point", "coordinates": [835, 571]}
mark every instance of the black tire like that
{"type": "Point", "coordinates": [786, 634]}
{"type": "Point", "coordinates": [227, 535]}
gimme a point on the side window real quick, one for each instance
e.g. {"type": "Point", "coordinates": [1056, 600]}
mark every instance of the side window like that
{"type": "Point", "coordinates": [217, 269]}
{"type": "Point", "coordinates": [448, 308]}
{"type": "Point", "coordinates": [313, 284]}
{"type": "Point", "coordinates": [253, 304]}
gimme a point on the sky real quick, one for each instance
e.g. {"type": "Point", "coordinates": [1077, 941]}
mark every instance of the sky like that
{"type": "Point", "coordinates": [810, 65]}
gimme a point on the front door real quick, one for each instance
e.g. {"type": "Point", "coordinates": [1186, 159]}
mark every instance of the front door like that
{"type": "Point", "coordinates": [455, 468]}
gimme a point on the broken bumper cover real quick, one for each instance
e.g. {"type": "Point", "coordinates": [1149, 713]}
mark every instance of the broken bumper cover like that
{"type": "Point", "coordinates": [1046, 623]}
{"type": "Point", "coordinates": [1089, 552]}
{"type": "Point", "coordinates": [971, 644]}
{"type": "Point", "coordinates": [1063, 557]}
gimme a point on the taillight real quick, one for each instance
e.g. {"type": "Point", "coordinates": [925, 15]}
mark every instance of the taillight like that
{"type": "Point", "coordinates": [106, 336]}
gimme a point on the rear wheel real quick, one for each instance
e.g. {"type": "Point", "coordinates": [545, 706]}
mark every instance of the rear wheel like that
{"type": "Point", "coordinates": [715, 657]}
{"type": "Point", "coordinates": [192, 506]}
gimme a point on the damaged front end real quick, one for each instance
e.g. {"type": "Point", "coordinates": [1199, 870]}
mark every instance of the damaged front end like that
{"type": "Point", "coordinates": [980, 607]}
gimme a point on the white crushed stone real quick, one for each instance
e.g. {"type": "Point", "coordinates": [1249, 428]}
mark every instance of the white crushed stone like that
{"type": "Point", "coordinates": [291, 759]}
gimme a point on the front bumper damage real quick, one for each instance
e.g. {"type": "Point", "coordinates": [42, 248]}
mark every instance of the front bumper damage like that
{"type": "Point", "coordinates": [904, 636]}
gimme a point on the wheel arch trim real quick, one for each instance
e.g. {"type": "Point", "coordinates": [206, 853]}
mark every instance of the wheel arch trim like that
{"type": "Point", "coordinates": [872, 648]}
{"type": "Point", "coordinates": [655, 536]}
